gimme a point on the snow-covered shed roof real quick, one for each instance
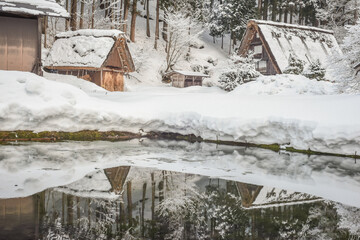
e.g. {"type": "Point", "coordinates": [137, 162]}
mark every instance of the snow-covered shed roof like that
{"type": "Point", "coordinates": [189, 73]}
{"type": "Point", "coordinates": [33, 8]}
{"type": "Point", "coordinates": [281, 40]}
{"type": "Point", "coordinates": [83, 48]}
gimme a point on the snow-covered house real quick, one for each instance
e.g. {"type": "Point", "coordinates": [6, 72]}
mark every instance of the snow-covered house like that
{"type": "Point", "coordinates": [20, 32]}
{"type": "Point", "coordinates": [183, 79]}
{"type": "Point", "coordinates": [99, 56]}
{"type": "Point", "coordinates": [271, 44]}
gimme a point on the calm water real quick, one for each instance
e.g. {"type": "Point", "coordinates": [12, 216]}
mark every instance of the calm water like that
{"type": "Point", "coordinates": [174, 190]}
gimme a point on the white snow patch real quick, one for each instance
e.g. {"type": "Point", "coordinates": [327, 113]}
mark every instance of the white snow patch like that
{"type": "Point", "coordinates": [286, 84]}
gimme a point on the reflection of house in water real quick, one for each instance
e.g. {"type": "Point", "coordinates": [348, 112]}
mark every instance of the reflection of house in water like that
{"type": "Point", "coordinates": [101, 203]}
{"type": "Point", "coordinates": [260, 196]}
{"type": "Point", "coordinates": [19, 217]}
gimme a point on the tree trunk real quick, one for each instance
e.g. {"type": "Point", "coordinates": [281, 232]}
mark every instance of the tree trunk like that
{"type": "Point", "coordinates": [260, 7]}
{"type": "Point", "coordinates": [67, 21]}
{"type": "Point", "coordinates": [231, 35]}
{"type": "Point", "coordinates": [356, 13]}
{"type": "Point", "coordinates": [112, 14]}
{"type": "Point", "coordinates": [45, 29]}
{"type": "Point", "coordinates": [73, 17]}
{"type": "Point", "coordinates": [147, 19]}
{"type": "Point", "coordinates": [157, 23]}
{"type": "Point", "coordinates": [274, 10]}
{"type": "Point", "coordinates": [82, 6]}
{"type": "Point", "coordinates": [265, 10]}
{"type": "Point", "coordinates": [286, 13]}
{"type": "Point", "coordinates": [143, 208]}
{"type": "Point", "coordinates": [93, 14]}
{"type": "Point", "coordinates": [152, 205]}
{"type": "Point", "coordinates": [165, 28]}
{"type": "Point", "coordinates": [291, 14]}
{"type": "Point", "coordinates": [222, 41]}
{"type": "Point", "coordinates": [126, 13]}
{"type": "Point", "coordinates": [133, 21]}
{"type": "Point", "coordinates": [129, 202]}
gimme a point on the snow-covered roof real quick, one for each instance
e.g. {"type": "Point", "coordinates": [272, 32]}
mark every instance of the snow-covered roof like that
{"type": "Point", "coordinates": [307, 43]}
{"type": "Point", "coordinates": [189, 73]}
{"type": "Point", "coordinates": [82, 48]}
{"type": "Point", "coordinates": [33, 7]}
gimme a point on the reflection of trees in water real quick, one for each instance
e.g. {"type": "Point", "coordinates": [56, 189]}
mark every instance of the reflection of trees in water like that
{"type": "Point", "coordinates": [169, 205]}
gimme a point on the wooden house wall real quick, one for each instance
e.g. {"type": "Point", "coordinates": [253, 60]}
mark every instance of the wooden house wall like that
{"type": "Point", "coordinates": [110, 80]}
{"type": "Point", "coordinates": [251, 40]}
{"type": "Point", "coordinates": [119, 58]}
{"type": "Point", "coordinates": [113, 81]}
{"type": "Point", "coordinates": [178, 80]}
{"type": "Point", "coordinates": [181, 81]}
{"type": "Point", "coordinates": [18, 218]}
{"type": "Point", "coordinates": [20, 46]}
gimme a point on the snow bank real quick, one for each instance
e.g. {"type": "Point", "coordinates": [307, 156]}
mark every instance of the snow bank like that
{"type": "Point", "coordinates": [328, 123]}
{"type": "Point", "coordinates": [286, 84]}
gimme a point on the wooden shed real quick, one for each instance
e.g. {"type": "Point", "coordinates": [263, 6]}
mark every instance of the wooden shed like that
{"type": "Point", "coordinates": [99, 56]}
{"type": "Point", "coordinates": [183, 79]}
{"type": "Point", "coordinates": [271, 44]}
{"type": "Point", "coordinates": [20, 32]}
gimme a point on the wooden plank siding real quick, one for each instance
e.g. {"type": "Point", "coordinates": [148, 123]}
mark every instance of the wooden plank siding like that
{"type": "Point", "coordinates": [20, 47]}
{"type": "Point", "coordinates": [253, 38]}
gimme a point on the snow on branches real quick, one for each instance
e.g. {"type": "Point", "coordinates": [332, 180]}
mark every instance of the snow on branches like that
{"type": "Point", "coordinates": [240, 70]}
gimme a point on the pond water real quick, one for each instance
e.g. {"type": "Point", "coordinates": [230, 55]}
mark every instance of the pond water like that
{"type": "Point", "coordinates": [174, 190]}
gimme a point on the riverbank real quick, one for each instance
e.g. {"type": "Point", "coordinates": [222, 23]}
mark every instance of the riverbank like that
{"type": "Point", "coordinates": [7, 137]}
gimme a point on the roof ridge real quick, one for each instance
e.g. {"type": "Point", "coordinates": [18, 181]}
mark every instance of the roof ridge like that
{"type": "Point", "coordinates": [287, 25]}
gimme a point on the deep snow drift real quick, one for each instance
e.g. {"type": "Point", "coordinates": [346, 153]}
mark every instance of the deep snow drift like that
{"type": "Point", "coordinates": [328, 123]}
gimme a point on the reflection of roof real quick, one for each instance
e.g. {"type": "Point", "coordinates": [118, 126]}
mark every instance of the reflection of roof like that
{"type": "Point", "coordinates": [188, 73]}
{"type": "Point", "coordinates": [82, 48]}
{"type": "Point", "coordinates": [33, 8]}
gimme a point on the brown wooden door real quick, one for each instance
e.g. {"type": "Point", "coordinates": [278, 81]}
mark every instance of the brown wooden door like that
{"type": "Point", "coordinates": [18, 44]}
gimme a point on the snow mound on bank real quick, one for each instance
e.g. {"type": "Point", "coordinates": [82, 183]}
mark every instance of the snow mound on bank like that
{"type": "Point", "coordinates": [327, 123]}
{"type": "Point", "coordinates": [286, 84]}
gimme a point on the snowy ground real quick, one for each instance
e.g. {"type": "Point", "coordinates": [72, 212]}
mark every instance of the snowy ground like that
{"type": "Point", "coordinates": [29, 168]}
{"type": "Point", "coordinates": [328, 123]}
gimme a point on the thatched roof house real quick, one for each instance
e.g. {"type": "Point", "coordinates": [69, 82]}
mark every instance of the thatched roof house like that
{"type": "Point", "coordinates": [20, 32]}
{"type": "Point", "coordinates": [183, 79]}
{"type": "Point", "coordinates": [273, 42]}
{"type": "Point", "coordinates": [99, 56]}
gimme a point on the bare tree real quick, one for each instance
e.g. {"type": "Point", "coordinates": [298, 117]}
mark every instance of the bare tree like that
{"type": "Point", "coordinates": [180, 36]}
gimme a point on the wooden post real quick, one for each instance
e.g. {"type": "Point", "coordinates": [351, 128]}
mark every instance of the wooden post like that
{"type": "Point", "coordinates": [152, 205]}
{"type": "Point", "coordinates": [93, 14]}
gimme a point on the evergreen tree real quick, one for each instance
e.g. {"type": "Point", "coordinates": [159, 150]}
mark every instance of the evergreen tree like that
{"type": "Point", "coordinates": [296, 65]}
{"type": "Point", "coordinates": [315, 71]}
{"type": "Point", "coordinates": [240, 71]}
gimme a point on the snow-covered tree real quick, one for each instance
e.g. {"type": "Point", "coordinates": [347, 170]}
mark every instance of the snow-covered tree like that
{"type": "Point", "coordinates": [296, 65]}
{"type": "Point", "coordinates": [342, 65]}
{"type": "Point", "coordinates": [315, 71]}
{"type": "Point", "coordinates": [182, 30]}
{"type": "Point", "coordinates": [231, 17]}
{"type": "Point", "coordinates": [240, 70]}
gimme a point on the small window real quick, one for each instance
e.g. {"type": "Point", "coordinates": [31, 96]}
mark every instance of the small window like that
{"type": "Point", "coordinates": [258, 49]}
{"type": "Point", "coordinates": [261, 66]}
